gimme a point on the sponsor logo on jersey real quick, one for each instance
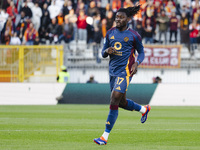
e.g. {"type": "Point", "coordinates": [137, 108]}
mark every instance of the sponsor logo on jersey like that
{"type": "Point", "coordinates": [117, 45]}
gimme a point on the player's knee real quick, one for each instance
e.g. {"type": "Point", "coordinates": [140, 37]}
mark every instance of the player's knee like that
{"type": "Point", "coordinates": [114, 101]}
{"type": "Point", "coordinates": [122, 103]}
{"type": "Point", "coordinates": [115, 98]}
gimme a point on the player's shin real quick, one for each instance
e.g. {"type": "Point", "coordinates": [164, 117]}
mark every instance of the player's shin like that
{"type": "Point", "coordinates": [131, 105]}
{"type": "Point", "coordinates": [112, 117]}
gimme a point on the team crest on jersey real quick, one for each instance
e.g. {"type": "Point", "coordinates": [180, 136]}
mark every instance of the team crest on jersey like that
{"type": "Point", "coordinates": [126, 39]}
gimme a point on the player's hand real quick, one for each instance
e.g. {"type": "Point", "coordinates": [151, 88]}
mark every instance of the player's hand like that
{"type": "Point", "coordinates": [110, 50]}
{"type": "Point", "coordinates": [134, 68]}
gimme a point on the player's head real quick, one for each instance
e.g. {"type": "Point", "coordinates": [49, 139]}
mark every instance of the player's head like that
{"type": "Point", "coordinates": [124, 14]}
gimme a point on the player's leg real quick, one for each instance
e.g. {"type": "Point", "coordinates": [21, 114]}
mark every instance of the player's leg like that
{"type": "Point", "coordinates": [124, 102]}
{"type": "Point", "coordinates": [112, 117]}
{"type": "Point", "coordinates": [131, 105]}
{"type": "Point", "coordinates": [116, 97]}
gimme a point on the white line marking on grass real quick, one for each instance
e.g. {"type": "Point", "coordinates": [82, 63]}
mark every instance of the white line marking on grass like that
{"type": "Point", "coordinates": [13, 118]}
{"type": "Point", "coordinates": [78, 130]}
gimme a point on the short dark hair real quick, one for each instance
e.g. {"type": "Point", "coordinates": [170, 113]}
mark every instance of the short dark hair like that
{"type": "Point", "coordinates": [130, 11]}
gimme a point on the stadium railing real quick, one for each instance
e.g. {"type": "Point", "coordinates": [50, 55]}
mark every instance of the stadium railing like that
{"type": "Point", "coordinates": [42, 63]}
{"type": "Point", "coordinates": [20, 63]}
{"type": "Point", "coordinates": [179, 65]}
{"type": "Point", "coordinates": [81, 55]}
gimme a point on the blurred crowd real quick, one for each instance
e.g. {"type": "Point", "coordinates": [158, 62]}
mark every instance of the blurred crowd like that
{"type": "Point", "coordinates": [33, 22]}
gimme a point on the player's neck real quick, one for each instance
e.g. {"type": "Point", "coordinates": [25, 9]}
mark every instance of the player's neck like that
{"type": "Point", "coordinates": [122, 28]}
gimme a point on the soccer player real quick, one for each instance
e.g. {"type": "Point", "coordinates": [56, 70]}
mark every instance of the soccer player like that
{"type": "Point", "coordinates": [120, 45]}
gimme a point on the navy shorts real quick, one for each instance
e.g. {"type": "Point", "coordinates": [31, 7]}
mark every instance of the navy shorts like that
{"type": "Point", "coordinates": [119, 84]}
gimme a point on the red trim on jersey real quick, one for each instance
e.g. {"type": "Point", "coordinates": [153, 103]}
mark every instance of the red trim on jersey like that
{"type": "Point", "coordinates": [110, 31]}
{"type": "Point", "coordinates": [136, 33]}
{"type": "Point", "coordinates": [131, 60]}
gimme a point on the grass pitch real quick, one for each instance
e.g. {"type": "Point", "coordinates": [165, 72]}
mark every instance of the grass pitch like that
{"type": "Point", "coordinates": [73, 127]}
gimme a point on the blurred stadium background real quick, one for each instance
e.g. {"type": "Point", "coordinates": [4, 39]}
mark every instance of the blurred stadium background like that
{"type": "Point", "coordinates": [39, 36]}
{"type": "Point", "coordinates": [81, 53]}
{"type": "Point", "coordinates": [42, 64]}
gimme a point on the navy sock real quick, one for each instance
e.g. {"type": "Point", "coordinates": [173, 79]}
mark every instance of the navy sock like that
{"type": "Point", "coordinates": [112, 117]}
{"type": "Point", "coordinates": [131, 105]}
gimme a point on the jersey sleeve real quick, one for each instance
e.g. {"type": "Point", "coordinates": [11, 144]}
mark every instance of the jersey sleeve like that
{"type": "Point", "coordinates": [105, 46]}
{"type": "Point", "coordinates": [139, 47]}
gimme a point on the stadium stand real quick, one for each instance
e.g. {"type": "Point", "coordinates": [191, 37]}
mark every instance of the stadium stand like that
{"type": "Point", "coordinates": [82, 37]}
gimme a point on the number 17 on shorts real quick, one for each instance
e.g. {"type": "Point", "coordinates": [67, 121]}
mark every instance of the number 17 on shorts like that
{"type": "Point", "coordinates": [121, 84]}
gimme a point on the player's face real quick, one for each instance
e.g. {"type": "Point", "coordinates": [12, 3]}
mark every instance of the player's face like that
{"type": "Point", "coordinates": [121, 20]}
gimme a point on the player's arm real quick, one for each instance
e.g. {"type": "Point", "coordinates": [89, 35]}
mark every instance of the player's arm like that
{"type": "Point", "coordinates": [110, 50]}
{"type": "Point", "coordinates": [140, 49]}
{"type": "Point", "coordinates": [107, 50]}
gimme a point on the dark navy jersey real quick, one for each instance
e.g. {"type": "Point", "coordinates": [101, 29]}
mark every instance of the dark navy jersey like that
{"type": "Point", "coordinates": [126, 44]}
